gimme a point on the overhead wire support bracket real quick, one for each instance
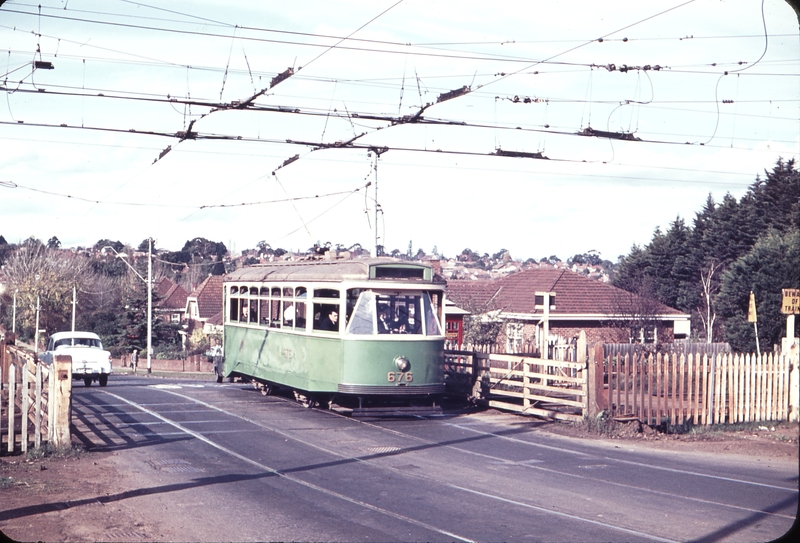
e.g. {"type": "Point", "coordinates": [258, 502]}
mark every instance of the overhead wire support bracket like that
{"type": "Point", "coordinates": [519, 154]}
{"type": "Point", "coordinates": [410, 119]}
{"type": "Point", "coordinates": [589, 131]}
{"type": "Point", "coordinates": [453, 94]}
{"type": "Point", "coordinates": [283, 76]}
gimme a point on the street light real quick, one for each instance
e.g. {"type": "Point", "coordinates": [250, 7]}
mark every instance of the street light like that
{"type": "Point", "coordinates": [149, 283]}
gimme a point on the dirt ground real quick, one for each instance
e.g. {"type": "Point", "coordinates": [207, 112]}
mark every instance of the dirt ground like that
{"type": "Point", "coordinates": [757, 440]}
{"type": "Point", "coordinates": [75, 496]}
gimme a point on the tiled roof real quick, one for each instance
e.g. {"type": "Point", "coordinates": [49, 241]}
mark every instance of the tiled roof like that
{"type": "Point", "coordinates": [575, 294]}
{"type": "Point", "coordinates": [216, 319]}
{"type": "Point", "coordinates": [209, 297]}
{"type": "Point", "coordinates": [171, 296]}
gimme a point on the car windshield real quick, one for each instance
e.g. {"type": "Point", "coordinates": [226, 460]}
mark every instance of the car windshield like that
{"type": "Point", "coordinates": [78, 342]}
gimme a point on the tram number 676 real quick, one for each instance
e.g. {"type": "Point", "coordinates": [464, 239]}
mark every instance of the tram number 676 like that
{"type": "Point", "coordinates": [399, 376]}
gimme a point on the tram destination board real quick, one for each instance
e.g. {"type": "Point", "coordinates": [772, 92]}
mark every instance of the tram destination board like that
{"type": "Point", "coordinates": [791, 301]}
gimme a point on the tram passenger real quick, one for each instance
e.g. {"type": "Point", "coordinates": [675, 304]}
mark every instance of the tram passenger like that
{"type": "Point", "coordinates": [330, 321]}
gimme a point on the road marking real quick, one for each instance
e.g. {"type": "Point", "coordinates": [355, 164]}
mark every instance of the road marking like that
{"type": "Point", "coordinates": [561, 514]}
{"type": "Point", "coordinates": [528, 463]}
{"type": "Point", "coordinates": [360, 459]}
{"type": "Point", "coordinates": [641, 464]}
{"type": "Point", "coordinates": [289, 477]}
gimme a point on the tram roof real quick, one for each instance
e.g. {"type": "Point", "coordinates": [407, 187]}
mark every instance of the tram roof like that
{"type": "Point", "coordinates": [388, 269]}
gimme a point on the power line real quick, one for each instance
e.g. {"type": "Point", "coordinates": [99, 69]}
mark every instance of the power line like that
{"type": "Point", "coordinates": [15, 185]}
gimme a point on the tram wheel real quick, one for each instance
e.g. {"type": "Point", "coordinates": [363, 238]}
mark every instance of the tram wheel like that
{"type": "Point", "coordinates": [306, 400]}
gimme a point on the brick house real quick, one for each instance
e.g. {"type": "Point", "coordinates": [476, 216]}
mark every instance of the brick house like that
{"type": "Point", "coordinates": [204, 306]}
{"type": "Point", "coordinates": [556, 304]}
{"type": "Point", "coordinates": [171, 304]}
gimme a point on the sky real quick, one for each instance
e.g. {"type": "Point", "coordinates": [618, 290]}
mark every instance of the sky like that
{"type": "Point", "coordinates": [705, 93]}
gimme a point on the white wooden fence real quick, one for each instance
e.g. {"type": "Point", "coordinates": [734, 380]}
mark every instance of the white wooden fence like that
{"type": "Point", "coordinates": [34, 400]}
{"type": "Point", "coordinates": [702, 389]}
{"type": "Point", "coordinates": [653, 388]}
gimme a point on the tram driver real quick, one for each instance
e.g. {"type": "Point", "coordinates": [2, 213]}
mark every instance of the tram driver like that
{"type": "Point", "coordinates": [384, 320]}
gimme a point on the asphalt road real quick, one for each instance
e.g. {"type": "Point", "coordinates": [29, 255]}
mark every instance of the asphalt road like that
{"type": "Point", "coordinates": [222, 462]}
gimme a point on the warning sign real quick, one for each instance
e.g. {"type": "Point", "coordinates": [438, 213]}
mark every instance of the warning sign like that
{"type": "Point", "coordinates": [791, 301]}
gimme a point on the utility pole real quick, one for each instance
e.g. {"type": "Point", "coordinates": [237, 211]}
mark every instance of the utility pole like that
{"type": "Point", "coordinates": [378, 152]}
{"type": "Point", "coordinates": [149, 303]}
{"type": "Point", "coordinates": [14, 314]}
{"type": "Point", "coordinates": [36, 333]}
{"type": "Point", "coordinates": [74, 294]}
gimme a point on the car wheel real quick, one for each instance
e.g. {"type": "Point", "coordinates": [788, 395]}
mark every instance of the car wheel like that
{"type": "Point", "coordinates": [103, 380]}
{"type": "Point", "coordinates": [87, 381]}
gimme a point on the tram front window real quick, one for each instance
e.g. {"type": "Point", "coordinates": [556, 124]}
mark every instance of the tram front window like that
{"type": "Point", "coordinates": [399, 314]}
{"type": "Point", "coordinates": [376, 313]}
{"type": "Point", "coordinates": [361, 321]}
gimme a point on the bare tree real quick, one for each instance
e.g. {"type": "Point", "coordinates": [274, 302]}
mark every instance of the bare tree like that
{"type": "Point", "coordinates": [636, 312]}
{"type": "Point", "coordinates": [710, 289]}
{"type": "Point", "coordinates": [34, 271]}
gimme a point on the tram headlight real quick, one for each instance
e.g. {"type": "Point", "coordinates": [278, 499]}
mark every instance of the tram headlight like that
{"type": "Point", "coordinates": [402, 363]}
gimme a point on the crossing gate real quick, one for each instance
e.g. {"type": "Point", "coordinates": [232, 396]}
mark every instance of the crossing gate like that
{"type": "Point", "coordinates": [552, 389]}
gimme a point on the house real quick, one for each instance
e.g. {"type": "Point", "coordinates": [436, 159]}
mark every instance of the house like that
{"type": "Point", "coordinates": [204, 306]}
{"type": "Point", "coordinates": [554, 304]}
{"type": "Point", "coordinates": [454, 324]}
{"type": "Point", "coordinates": [170, 302]}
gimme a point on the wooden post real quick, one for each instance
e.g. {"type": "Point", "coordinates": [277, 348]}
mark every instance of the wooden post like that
{"type": "Point", "coordinates": [596, 400]}
{"type": "Point", "coordinates": [690, 413]}
{"type": "Point", "coordinates": [61, 399]}
{"type": "Point", "coordinates": [25, 406]}
{"type": "Point", "coordinates": [793, 358]}
{"type": "Point", "coordinates": [12, 385]}
{"type": "Point", "coordinates": [582, 357]}
{"type": "Point", "coordinates": [681, 389]}
{"type": "Point", "coordinates": [37, 440]}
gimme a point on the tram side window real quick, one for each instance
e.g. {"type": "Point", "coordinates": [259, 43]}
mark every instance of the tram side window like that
{"type": "Point", "coordinates": [361, 321]}
{"type": "Point", "coordinates": [326, 317]}
{"type": "Point", "coordinates": [275, 313]}
{"type": "Point", "coordinates": [254, 311]}
{"type": "Point", "coordinates": [288, 314]}
{"type": "Point", "coordinates": [233, 316]}
{"type": "Point", "coordinates": [300, 295]}
{"type": "Point", "coordinates": [264, 311]}
{"type": "Point", "coordinates": [245, 309]}
{"type": "Point", "coordinates": [300, 315]}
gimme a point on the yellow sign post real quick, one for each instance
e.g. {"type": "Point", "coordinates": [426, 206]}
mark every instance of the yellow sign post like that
{"type": "Point", "coordinates": [752, 316]}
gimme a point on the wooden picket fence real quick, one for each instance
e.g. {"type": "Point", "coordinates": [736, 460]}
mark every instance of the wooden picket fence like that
{"type": "Point", "coordinates": [34, 400]}
{"type": "Point", "coordinates": [677, 387]}
{"type": "Point", "coordinates": [699, 389]}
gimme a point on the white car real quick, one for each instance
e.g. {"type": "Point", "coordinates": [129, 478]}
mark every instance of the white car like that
{"type": "Point", "coordinates": [89, 361]}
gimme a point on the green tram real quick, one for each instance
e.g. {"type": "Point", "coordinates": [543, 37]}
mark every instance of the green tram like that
{"type": "Point", "coordinates": [368, 329]}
